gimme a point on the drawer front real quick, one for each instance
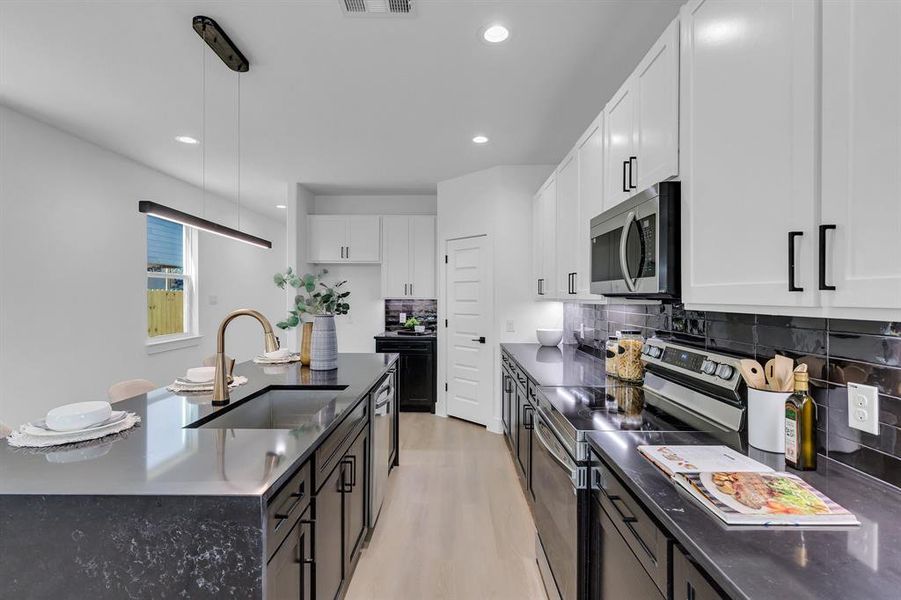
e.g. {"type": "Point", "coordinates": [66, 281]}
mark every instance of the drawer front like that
{"type": "Point", "coordinates": [689, 583]}
{"type": "Point", "coordinates": [333, 448]}
{"type": "Point", "coordinates": [404, 346]}
{"type": "Point", "coordinates": [286, 506]}
{"type": "Point", "coordinates": [648, 542]}
{"type": "Point", "coordinates": [533, 392]}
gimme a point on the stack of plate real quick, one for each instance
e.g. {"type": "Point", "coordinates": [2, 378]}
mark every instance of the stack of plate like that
{"type": "Point", "coordinates": [41, 429]}
{"type": "Point", "coordinates": [182, 384]}
{"type": "Point", "coordinates": [276, 360]}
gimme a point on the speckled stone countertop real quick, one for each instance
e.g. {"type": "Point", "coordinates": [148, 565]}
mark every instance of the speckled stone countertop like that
{"type": "Point", "coordinates": [763, 563]}
{"type": "Point", "coordinates": [163, 457]}
{"type": "Point", "coordinates": [557, 365]}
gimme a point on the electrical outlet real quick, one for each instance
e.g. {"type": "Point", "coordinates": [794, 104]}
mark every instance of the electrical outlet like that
{"type": "Point", "coordinates": [863, 408]}
{"type": "Point", "coordinates": [403, 318]}
{"type": "Point", "coordinates": [510, 327]}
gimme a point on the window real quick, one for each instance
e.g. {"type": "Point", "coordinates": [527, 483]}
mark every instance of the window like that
{"type": "Point", "coordinates": [171, 280]}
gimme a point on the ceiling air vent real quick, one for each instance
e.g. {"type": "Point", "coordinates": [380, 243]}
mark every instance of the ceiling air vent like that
{"type": "Point", "coordinates": [377, 7]}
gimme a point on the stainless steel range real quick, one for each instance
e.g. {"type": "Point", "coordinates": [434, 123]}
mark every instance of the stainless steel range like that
{"type": "Point", "coordinates": [685, 389]}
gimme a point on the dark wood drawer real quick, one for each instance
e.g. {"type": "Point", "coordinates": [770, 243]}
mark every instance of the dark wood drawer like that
{"type": "Point", "coordinates": [648, 542]}
{"type": "Point", "coordinates": [285, 508]}
{"type": "Point", "coordinates": [335, 445]}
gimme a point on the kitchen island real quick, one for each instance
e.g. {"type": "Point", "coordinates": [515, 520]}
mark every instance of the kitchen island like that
{"type": "Point", "coordinates": [179, 506]}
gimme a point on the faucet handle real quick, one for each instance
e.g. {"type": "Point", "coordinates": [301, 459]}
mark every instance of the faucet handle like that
{"type": "Point", "coordinates": [231, 369]}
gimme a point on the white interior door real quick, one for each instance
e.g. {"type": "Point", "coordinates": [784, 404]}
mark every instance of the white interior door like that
{"type": "Point", "coordinates": [469, 365]}
{"type": "Point", "coordinates": [862, 153]}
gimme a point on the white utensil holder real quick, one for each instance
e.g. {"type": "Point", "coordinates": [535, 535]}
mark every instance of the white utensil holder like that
{"type": "Point", "coordinates": [766, 419]}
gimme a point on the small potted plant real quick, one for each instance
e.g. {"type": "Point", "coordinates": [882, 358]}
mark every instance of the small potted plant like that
{"type": "Point", "coordinates": [316, 299]}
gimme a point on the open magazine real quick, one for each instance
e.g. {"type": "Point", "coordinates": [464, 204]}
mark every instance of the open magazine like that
{"type": "Point", "coordinates": [745, 495]}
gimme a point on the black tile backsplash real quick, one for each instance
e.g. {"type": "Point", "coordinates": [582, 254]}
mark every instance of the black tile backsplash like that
{"type": "Point", "coordinates": [424, 310]}
{"type": "Point", "coordinates": [836, 351]}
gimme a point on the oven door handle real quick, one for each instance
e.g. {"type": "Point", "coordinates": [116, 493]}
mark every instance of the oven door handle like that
{"type": "Point", "coordinates": [563, 462]}
{"type": "Point", "coordinates": [623, 242]}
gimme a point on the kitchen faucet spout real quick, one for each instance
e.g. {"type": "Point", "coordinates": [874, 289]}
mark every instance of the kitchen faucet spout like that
{"type": "Point", "coordinates": [220, 380]}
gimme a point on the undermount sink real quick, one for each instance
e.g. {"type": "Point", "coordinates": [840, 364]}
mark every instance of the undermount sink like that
{"type": "Point", "coordinates": [279, 409]}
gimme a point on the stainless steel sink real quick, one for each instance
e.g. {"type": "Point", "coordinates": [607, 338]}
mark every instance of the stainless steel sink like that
{"type": "Point", "coordinates": [279, 409]}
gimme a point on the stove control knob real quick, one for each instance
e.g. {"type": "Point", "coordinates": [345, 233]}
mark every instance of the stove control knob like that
{"type": "Point", "coordinates": [708, 367]}
{"type": "Point", "coordinates": [654, 351]}
{"type": "Point", "coordinates": [725, 372]}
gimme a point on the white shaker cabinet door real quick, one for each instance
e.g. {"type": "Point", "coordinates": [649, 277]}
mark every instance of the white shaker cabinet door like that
{"type": "Point", "coordinates": [422, 256]}
{"type": "Point", "coordinates": [590, 155]}
{"type": "Point", "coordinates": [364, 238]}
{"type": "Point", "coordinates": [327, 238]}
{"type": "Point", "coordinates": [861, 154]}
{"type": "Point", "coordinates": [657, 111]}
{"type": "Point", "coordinates": [619, 147]}
{"type": "Point", "coordinates": [396, 256]}
{"type": "Point", "coordinates": [548, 234]}
{"type": "Point", "coordinates": [748, 168]}
{"type": "Point", "coordinates": [537, 249]}
{"type": "Point", "coordinates": [566, 234]}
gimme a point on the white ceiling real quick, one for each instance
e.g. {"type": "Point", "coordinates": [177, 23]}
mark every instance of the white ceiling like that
{"type": "Point", "coordinates": [342, 104]}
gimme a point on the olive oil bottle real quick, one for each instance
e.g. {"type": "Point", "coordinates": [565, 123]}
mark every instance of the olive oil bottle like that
{"type": "Point", "coordinates": [801, 427]}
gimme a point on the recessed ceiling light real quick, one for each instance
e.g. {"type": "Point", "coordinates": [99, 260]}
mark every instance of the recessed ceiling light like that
{"type": "Point", "coordinates": [280, 206]}
{"type": "Point", "coordinates": [495, 34]}
{"type": "Point", "coordinates": [186, 139]}
{"type": "Point", "coordinates": [480, 139]}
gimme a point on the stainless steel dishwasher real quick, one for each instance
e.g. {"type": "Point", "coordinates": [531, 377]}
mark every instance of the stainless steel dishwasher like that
{"type": "Point", "coordinates": [383, 408]}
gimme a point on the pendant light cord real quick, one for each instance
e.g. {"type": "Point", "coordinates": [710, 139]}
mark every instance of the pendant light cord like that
{"type": "Point", "coordinates": [238, 170]}
{"type": "Point", "coordinates": [203, 127]}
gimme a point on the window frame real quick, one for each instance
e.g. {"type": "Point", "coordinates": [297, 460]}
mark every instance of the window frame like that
{"type": "Point", "coordinates": [191, 336]}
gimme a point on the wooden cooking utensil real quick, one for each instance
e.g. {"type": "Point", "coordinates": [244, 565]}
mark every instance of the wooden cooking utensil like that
{"type": "Point", "coordinates": [784, 373]}
{"type": "Point", "coordinates": [752, 371]}
{"type": "Point", "coordinates": [769, 370]}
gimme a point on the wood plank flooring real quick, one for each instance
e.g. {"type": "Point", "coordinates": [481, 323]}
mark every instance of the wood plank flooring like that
{"type": "Point", "coordinates": [455, 524]}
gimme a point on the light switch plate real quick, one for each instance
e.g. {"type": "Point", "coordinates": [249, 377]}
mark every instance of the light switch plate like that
{"type": "Point", "coordinates": [403, 318]}
{"type": "Point", "coordinates": [510, 327]}
{"type": "Point", "coordinates": [863, 408]}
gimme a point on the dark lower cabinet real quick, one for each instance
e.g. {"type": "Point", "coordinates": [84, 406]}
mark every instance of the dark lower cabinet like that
{"type": "Point", "coordinates": [507, 386]}
{"type": "Point", "coordinates": [524, 435]}
{"type": "Point", "coordinates": [289, 574]}
{"type": "Point", "coordinates": [689, 583]}
{"type": "Point", "coordinates": [417, 371]}
{"type": "Point", "coordinates": [329, 546]}
{"type": "Point", "coordinates": [355, 489]}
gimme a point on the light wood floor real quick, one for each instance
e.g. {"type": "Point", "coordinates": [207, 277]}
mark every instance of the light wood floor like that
{"type": "Point", "coordinates": [454, 524]}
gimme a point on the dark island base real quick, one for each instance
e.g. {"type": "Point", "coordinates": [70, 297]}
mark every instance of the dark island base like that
{"type": "Point", "coordinates": [131, 547]}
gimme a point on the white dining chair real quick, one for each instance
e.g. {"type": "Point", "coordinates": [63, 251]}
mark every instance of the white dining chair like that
{"type": "Point", "coordinates": [4, 430]}
{"type": "Point", "coordinates": [129, 389]}
{"type": "Point", "coordinates": [210, 361]}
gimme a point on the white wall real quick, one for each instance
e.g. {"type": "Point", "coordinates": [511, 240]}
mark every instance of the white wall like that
{"type": "Point", "coordinates": [366, 318]}
{"type": "Point", "coordinates": [498, 202]}
{"type": "Point", "coordinates": [72, 270]}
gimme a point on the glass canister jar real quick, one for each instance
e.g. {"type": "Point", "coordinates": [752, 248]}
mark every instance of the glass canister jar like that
{"type": "Point", "coordinates": [611, 349]}
{"type": "Point", "coordinates": [628, 356]}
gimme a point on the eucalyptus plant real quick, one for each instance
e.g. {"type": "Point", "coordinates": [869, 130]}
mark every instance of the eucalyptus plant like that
{"type": "Point", "coordinates": [315, 297]}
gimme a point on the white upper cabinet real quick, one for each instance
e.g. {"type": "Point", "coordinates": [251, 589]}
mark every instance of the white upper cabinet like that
{"type": "Point", "coordinates": [656, 91]}
{"type": "Point", "coordinates": [408, 256]}
{"type": "Point", "coordinates": [590, 158]}
{"type": "Point", "coordinates": [619, 143]}
{"type": "Point", "coordinates": [748, 153]}
{"type": "Point", "coordinates": [544, 223]}
{"type": "Point", "coordinates": [344, 238]}
{"type": "Point", "coordinates": [861, 154]}
{"type": "Point", "coordinates": [641, 123]}
{"type": "Point", "coordinates": [567, 210]}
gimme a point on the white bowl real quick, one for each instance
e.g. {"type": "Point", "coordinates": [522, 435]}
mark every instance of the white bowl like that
{"type": "Point", "coordinates": [276, 354]}
{"type": "Point", "coordinates": [81, 415]}
{"type": "Point", "coordinates": [200, 374]}
{"type": "Point", "coordinates": [549, 337]}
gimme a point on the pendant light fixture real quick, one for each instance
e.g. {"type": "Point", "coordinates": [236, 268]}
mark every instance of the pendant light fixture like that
{"type": "Point", "coordinates": [222, 45]}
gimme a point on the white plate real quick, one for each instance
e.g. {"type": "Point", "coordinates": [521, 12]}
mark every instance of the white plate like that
{"type": "Point", "coordinates": [78, 416]}
{"type": "Point", "coordinates": [40, 429]}
{"type": "Point", "coordinates": [200, 374]}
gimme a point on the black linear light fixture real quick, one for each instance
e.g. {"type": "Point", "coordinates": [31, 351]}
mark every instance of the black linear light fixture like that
{"type": "Point", "coordinates": [221, 44]}
{"type": "Point", "coordinates": [176, 216]}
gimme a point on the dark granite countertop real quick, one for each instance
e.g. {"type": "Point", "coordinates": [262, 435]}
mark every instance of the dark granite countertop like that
{"type": "Point", "coordinates": [393, 335]}
{"type": "Point", "coordinates": [763, 563]}
{"type": "Point", "coordinates": [162, 457]}
{"type": "Point", "coordinates": [560, 365]}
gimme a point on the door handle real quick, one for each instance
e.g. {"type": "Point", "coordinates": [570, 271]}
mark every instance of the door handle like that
{"type": "Point", "coordinates": [625, 180]}
{"type": "Point", "coordinates": [623, 259]}
{"type": "Point", "coordinates": [632, 170]}
{"type": "Point", "coordinates": [791, 261]}
{"type": "Point", "coordinates": [823, 230]}
{"type": "Point", "coordinates": [480, 340]}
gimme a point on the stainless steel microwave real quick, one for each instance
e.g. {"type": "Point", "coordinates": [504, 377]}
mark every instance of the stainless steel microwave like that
{"type": "Point", "coordinates": [635, 246]}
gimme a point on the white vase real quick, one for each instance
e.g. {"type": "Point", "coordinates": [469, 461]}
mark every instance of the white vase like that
{"type": "Point", "coordinates": [324, 350]}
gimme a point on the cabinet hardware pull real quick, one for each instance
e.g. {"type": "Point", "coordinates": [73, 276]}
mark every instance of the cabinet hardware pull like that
{"type": "Point", "coordinates": [791, 261]}
{"type": "Point", "coordinates": [405, 289]}
{"type": "Point", "coordinates": [348, 251]}
{"type": "Point", "coordinates": [823, 230]}
{"type": "Point", "coordinates": [625, 181]}
{"type": "Point", "coordinates": [411, 289]}
{"type": "Point", "coordinates": [632, 170]}
{"type": "Point", "coordinates": [305, 561]}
